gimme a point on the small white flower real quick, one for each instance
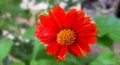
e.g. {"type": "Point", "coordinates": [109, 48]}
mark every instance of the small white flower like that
{"type": "Point", "coordinates": [63, 4]}
{"type": "Point", "coordinates": [32, 6]}
{"type": "Point", "coordinates": [24, 4]}
{"type": "Point", "coordinates": [37, 7]}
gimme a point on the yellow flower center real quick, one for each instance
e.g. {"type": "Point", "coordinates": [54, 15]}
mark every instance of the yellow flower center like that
{"type": "Point", "coordinates": [66, 37]}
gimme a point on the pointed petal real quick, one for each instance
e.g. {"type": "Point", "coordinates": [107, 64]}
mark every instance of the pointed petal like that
{"type": "Point", "coordinates": [48, 43]}
{"type": "Point", "coordinates": [70, 18]}
{"type": "Point", "coordinates": [79, 20]}
{"type": "Point", "coordinates": [61, 53]}
{"type": "Point", "coordinates": [52, 48]}
{"type": "Point", "coordinates": [44, 34]}
{"type": "Point", "coordinates": [84, 46]}
{"type": "Point", "coordinates": [87, 28]}
{"type": "Point", "coordinates": [88, 40]}
{"type": "Point", "coordinates": [54, 19]}
{"type": "Point", "coordinates": [82, 52]}
{"type": "Point", "coordinates": [87, 31]}
{"type": "Point", "coordinates": [60, 14]}
{"type": "Point", "coordinates": [85, 35]}
{"type": "Point", "coordinates": [76, 50]}
{"type": "Point", "coordinates": [92, 40]}
{"type": "Point", "coordinates": [73, 49]}
{"type": "Point", "coordinates": [84, 22]}
{"type": "Point", "coordinates": [48, 22]}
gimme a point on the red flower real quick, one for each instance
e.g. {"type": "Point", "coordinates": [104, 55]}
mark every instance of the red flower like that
{"type": "Point", "coordinates": [64, 32]}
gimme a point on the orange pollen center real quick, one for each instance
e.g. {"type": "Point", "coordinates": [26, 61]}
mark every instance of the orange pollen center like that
{"type": "Point", "coordinates": [66, 37]}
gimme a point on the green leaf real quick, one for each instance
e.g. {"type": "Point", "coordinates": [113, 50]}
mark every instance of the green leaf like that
{"type": "Point", "coordinates": [101, 25]}
{"type": "Point", "coordinates": [51, 62]}
{"type": "Point", "coordinates": [5, 47]}
{"type": "Point", "coordinates": [46, 62]}
{"type": "Point", "coordinates": [107, 57]}
{"type": "Point", "coordinates": [105, 41]}
{"type": "Point", "coordinates": [97, 62]}
{"type": "Point", "coordinates": [29, 34]}
{"type": "Point", "coordinates": [85, 60]}
{"type": "Point", "coordinates": [109, 26]}
{"type": "Point", "coordinates": [114, 29]}
{"type": "Point", "coordinates": [17, 63]}
{"type": "Point", "coordinates": [37, 47]}
{"type": "Point", "coordinates": [71, 58]}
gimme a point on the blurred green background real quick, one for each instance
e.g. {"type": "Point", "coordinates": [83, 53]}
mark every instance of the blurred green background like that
{"type": "Point", "coordinates": [18, 45]}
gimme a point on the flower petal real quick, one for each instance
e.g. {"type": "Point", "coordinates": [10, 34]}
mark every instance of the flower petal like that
{"type": "Point", "coordinates": [79, 20]}
{"type": "Point", "coordinates": [83, 54]}
{"type": "Point", "coordinates": [61, 53]}
{"type": "Point", "coordinates": [70, 18]}
{"type": "Point", "coordinates": [73, 49]}
{"type": "Point", "coordinates": [85, 47]}
{"type": "Point", "coordinates": [54, 19]}
{"type": "Point", "coordinates": [76, 50]}
{"type": "Point", "coordinates": [60, 14]}
{"type": "Point", "coordinates": [86, 21]}
{"type": "Point", "coordinates": [87, 31]}
{"type": "Point", "coordinates": [44, 34]}
{"type": "Point", "coordinates": [89, 40]}
{"type": "Point", "coordinates": [52, 48]}
{"type": "Point", "coordinates": [87, 28]}
{"type": "Point", "coordinates": [48, 23]}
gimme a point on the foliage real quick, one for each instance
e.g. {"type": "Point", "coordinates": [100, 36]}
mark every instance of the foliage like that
{"type": "Point", "coordinates": [105, 58]}
{"type": "Point", "coordinates": [108, 30]}
{"type": "Point", "coordinates": [5, 45]}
